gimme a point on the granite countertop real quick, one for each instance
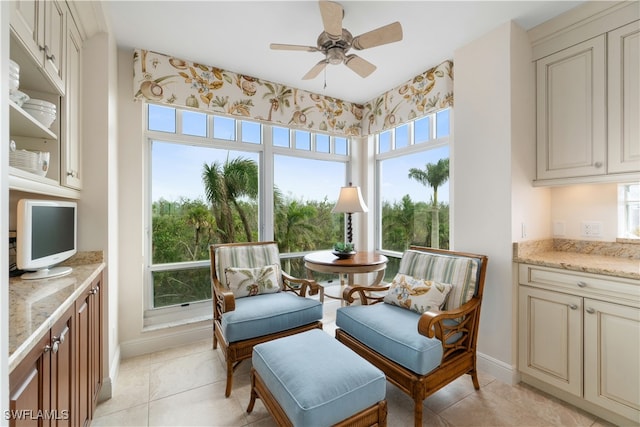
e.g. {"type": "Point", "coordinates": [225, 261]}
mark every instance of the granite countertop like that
{"type": "Point", "coordinates": [607, 258]}
{"type": "Point", "coordinates": [35, 305]}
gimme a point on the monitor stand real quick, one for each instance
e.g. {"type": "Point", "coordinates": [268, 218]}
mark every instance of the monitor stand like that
{"type": "Point", "coordinates": [47, 273]}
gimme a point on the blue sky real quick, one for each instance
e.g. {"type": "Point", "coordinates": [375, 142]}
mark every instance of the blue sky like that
{"type": "Point", "coordinates": [177, 169]}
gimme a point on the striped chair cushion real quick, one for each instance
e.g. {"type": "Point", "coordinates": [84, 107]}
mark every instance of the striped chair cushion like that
{"type": "Point", "coordinates": [251, 256]}
{"type": "Point", "coordinates": [460, 272]}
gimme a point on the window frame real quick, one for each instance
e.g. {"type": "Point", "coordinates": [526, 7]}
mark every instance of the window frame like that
{"type": "Point", "coordinates": [158, 317]}
{"type": "Point", "coordinates": [413, 147]}
{"type": "Point", "coordinates": [624, 204]}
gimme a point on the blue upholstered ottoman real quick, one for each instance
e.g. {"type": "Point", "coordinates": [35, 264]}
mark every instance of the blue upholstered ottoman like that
{"type": "Point", "coordinates": [310, 379]}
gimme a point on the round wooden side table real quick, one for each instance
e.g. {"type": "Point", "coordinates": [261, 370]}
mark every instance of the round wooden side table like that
{"type": "Point", "coordinates": [361, 262]}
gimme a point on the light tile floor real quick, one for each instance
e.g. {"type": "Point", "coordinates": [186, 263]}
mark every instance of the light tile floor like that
{"type": "Point", "coordinates": [185, 387]}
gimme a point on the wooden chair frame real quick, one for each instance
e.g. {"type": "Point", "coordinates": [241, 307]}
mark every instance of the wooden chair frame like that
{"type": "Point", "coordinates": [224, 301]}
{"type": "Point", "coordinates": [459, 356]}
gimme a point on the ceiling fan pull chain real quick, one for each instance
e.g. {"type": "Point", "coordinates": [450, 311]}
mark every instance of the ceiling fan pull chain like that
{"type": "Point", "coordinates": [325, 79]}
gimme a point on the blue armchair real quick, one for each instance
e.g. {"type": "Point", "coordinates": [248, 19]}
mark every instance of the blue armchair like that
{"type": "Point", "coordinates": [423, 333]}
{"type": "Point", "coordinates": [254, 301]}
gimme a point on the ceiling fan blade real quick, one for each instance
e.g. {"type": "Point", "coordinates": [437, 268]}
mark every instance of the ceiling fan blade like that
{"type": "Point", "coordinates": [383, 35]}
{"type": "Point", "coordinates": [313, 72]}
{"type": "Point", "coordinates": [332, 14]}
{"type": "Point", "coordinates": [362, 67]}
{"type": "Point", "coordinates": [277, 46]}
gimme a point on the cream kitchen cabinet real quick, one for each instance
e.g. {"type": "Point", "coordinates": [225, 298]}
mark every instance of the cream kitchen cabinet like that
{"type": "Point", "coordinates": [587, 96]}
{"type": "Point", "coordinates": [571, 111]}
{"type": "Point", "coordinates": [579, 336]}
{"type": "Point", "coordinates": [40, 26]}
{"type": "Point", "coordinates": [623, 98]}
{"type": "Point", "coordinates": [62, 139]}
{"type": "Point", "coordinates": [71, 156]}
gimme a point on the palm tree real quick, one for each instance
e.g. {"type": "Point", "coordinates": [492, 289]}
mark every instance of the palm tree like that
{"type": "Point", "coordinates": [435, 175]}
{"type": "Point", "coordinates": [295, 228]}
{"type": "Point", "coordinates": [224, 185]}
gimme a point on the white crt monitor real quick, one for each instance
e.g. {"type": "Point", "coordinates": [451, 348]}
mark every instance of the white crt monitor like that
{"type": "Point", "coordinates": [46, 235]}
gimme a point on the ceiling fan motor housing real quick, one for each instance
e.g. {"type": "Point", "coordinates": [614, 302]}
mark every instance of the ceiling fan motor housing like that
{"type": "Point", "coordinates": [333, 47]}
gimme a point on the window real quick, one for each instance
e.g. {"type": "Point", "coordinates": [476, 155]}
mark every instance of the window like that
{"type": "Point", "coordinates": [195, 199]}
{"type": "Point", "coordinates": [629, 211]}
{"type": "Point", "coordinates": [184, 221]}
{"type": "Point", "coordinates": [413, 187]}
{"type": "Point", "coordinates": [307, 190]}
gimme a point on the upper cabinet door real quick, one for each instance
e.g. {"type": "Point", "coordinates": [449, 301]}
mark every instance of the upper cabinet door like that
{"type": "Point", "coordinates": [27, 22]}
{"type": "Point", "coordinates": [571, 111]}
{"type": "Point", "coordinates": [40, 27]}
{"type": "Point", "coordinates": [55, 36]}
{"type": "Point", "coordinates": [624, 96]}
{"type": "Point", "coordinates": [71, 156]}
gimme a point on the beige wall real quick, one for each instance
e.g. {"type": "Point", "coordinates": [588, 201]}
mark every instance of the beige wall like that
{"type": "Point", "coordinates": [491, 177]}
{"type": "Point", "coordinates": [577, 203]}
{"type": "Point", "coordinates": [134, 338]}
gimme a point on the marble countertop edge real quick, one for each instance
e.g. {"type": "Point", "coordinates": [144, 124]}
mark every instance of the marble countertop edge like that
{"type": "Point", "coordinates": [605, 258]}
{"type": "Point", "coordinates": [30, 342]}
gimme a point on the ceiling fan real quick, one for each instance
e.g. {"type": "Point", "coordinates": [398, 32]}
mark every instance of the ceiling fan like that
{"type": "Point", "coordinates": [334, 42]}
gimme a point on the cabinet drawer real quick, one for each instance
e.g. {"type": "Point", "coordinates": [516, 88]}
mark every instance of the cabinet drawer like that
{"type": "Point", "coordinates": [609, 288]}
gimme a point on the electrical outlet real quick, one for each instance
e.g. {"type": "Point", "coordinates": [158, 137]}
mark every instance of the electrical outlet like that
{"type": "Point", "coordinates": [591, 229]}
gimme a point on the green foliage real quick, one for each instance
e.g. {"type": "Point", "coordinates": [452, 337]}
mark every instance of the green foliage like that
{"type": "Point", "coordinates": [343, 247]}
{"type": "Point", "coordinates": [183, 230]}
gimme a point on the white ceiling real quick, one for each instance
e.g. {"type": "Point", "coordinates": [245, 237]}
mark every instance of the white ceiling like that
{"type": "Point", "coordinates": [235, 36]}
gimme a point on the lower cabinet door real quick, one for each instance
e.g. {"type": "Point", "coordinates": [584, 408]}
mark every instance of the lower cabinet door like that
{"type": "Point", "coordinates": [62, 371]}
{"type": "Point", "coordinates": [83, 358]}
{"type": "Point", "coordinates": [611, 357]}
{"type": "Point", "coordinates": [30, 385]}
{"type": "Point", "coordinates": [550, 338]}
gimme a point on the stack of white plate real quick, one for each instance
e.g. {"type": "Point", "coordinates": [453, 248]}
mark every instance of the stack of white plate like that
{"type": "Point", "coordinates": [14, 76]}
{"type": "Point", "coordinates": [41, 110]}
{"type": "Point", "coordinates": [30, 161]}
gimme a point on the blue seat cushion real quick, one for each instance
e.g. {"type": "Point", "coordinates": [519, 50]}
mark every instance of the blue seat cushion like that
{"type": "Point", "coordinates": [316, 380]}
{"type": "Point", "coordinates": [268, 313]}
{"type": "Point", "coordinates": [393, 332]}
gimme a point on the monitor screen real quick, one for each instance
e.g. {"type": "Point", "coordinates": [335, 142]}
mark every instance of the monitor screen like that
{"type": "Point", "coordinates": [52, 230]}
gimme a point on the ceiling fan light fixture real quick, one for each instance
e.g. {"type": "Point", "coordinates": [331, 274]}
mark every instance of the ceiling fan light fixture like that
{"type": "Point", "coordinates": [335, 56]}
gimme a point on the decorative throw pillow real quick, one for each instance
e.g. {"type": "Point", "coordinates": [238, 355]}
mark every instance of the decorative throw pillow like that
{"type": "Point", "coordinates": [248, 282]}
{"type": "Point", "coordinates": [417, 294]}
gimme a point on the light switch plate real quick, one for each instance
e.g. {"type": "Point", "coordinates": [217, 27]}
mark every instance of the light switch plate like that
{"type": "Point", "coordinates": [591, 229]}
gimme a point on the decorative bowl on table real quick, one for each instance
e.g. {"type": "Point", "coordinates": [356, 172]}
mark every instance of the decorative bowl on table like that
{"type": "Point", "coordinates": [344, 250]}
{"type": "Point", "coordinates": [344, 255]}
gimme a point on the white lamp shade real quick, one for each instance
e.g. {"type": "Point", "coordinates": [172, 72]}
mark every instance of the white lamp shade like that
{"type": "Point", "coordinates": [350, 201]}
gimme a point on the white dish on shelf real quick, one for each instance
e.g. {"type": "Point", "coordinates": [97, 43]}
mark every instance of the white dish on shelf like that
{"type": "Point", "coordinates": [41, 103]}
{"type": "Point", "coordinates": [45, 118]}
{"type": "Point", "coordinates": [26, 105]}
{"type": "Point", "coordinates": [30, 161]}
{"type": "Point", "coordinates": [13, 65]}
{"type": "Point", "coordinates": [14, 84]}
{"type": "Point", "coordinates": [18, 97]}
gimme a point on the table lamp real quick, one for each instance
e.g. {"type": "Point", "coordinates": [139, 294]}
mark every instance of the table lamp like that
{"type": "Point", "coordinates": [349, 202]}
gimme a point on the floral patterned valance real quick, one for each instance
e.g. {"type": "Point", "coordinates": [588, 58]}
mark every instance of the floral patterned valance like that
{"type": "Point", "coordinates": [168, 80]}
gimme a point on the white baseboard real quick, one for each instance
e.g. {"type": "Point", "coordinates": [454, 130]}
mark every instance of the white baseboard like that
{"type": "Point", "coordinates": [162, 340]}
{"type": "Point", "coordinates": [108, 384]}
{"type": "Point", "coordinates": [498, 369]}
